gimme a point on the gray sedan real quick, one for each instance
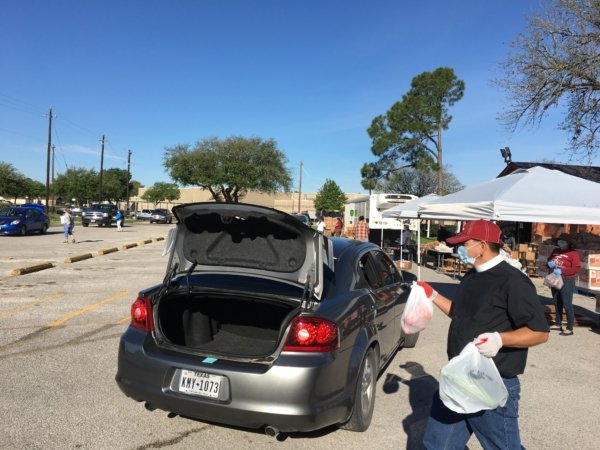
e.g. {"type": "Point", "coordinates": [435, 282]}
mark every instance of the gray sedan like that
{"type": "Point", "coordinates": [261, 322]}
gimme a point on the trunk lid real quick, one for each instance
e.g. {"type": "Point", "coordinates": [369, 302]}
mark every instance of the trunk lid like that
{"type": "Point", "coordinates": [248, 240]}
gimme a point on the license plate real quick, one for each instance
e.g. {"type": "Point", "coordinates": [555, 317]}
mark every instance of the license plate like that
{"type": "Point", "coordinates": [93, 220]}
{"type": "Point", "coordinates": [200, 383]}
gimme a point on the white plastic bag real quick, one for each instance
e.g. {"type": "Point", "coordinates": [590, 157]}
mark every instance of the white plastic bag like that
{"type": "Point", "coordinates": [417, 311]}
{"type": "Point", "coordinates": [554, 281]}
{"type": "Point", "coordinates": [470, 382]}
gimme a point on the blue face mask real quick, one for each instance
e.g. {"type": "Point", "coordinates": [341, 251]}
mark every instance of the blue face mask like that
{"type": "Point", "coordinates": [463, 256]}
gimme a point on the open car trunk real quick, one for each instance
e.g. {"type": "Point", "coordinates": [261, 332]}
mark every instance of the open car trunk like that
{"type": "Point", "coordinates": [238, 326]}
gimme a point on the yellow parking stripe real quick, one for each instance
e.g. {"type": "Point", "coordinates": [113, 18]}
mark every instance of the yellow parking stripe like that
{"type": "Point", "coordinates": [31, 305]}
{"type": "Point", "coordinates": [112, 298]}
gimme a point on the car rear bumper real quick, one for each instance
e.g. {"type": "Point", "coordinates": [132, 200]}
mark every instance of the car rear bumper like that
{"type": "Point", "coordinates": [300, 392]}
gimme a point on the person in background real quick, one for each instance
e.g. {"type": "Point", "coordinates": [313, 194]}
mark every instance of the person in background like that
{"type": "Point", "coordinates": [496, 307]}
{"type": "Point", "coordinates": [406, 242]}
{"type": "Point", "coordinates": [361, 230]}
{"type": "Point", "coordinates": [567, 260]}
{"type": "Point", "coordinates": [443, 234]}
{"type": "Point", "coordinates": [339, 225]}
{"type": "Point", "coordinates": [321, 227]}
{"type": "Point", "coordinates": [119, 219]}
{"type": "Point", "coordinates": [65, 220]}
{"type": "Point", "coordinates": [71, 225]}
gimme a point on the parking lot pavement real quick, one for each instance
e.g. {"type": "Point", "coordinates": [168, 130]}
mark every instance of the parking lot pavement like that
{"type": "Point", "coordinates": [51, 248]}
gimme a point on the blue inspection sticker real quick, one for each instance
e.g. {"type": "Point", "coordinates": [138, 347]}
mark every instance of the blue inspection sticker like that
{"type": "Point", "coordinates": [209, 360]}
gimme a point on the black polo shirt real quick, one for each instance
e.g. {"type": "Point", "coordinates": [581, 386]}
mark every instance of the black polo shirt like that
{"type": "Point", "coordinates": [501, 298]}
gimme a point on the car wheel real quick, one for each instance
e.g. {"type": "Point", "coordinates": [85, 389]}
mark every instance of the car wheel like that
{"type": "Point", "coordinates": [409, 341]}
{"type": "Point", "coordinates": [85, 224]}
{"type": "Point", "coordinates": [23, 230]}
{"type": "Point", "coordinates": [364, 397]}
{"type": "Point", "coordinates": [44, 229]}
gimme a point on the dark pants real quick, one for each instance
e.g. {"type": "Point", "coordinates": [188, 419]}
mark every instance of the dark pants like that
{"type": "Point", "coordinates": [563, 298]}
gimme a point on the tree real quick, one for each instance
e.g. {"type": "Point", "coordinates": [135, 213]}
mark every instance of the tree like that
{"type": "Point", "coordinates": [12, 182]}
{"type": "Point", "coordinates": [78, 183]}
{"type": "Point", "coordinates": [114, 185]}
{"type": "Point", "coordinates": [419, 182]}
{"type": "Point", "coordinates": [411, 130]}
{"type": "Point", "coordinates": [33, 188]}
{"type": "Point", "coordinates": [330, 197]}
{"type": "Point", "coordinates": [229, 168]}
{"type": "Point", "coordinates": [557, 62]}
{"type": "Point", "coordinates": [161, 192]}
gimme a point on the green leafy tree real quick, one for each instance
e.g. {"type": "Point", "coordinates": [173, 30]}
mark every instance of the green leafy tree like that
{"type": "Point", "coordinates": [411, 130]}
{"type": "Point", "coordinates": [114, 185]}
{"type": "Point", "coordinates": [33, 189]}
{"type": "Point", "coordinates": [229, 168]}
{"type": "Point", "coordinates": [556, 63]}
{"type": "Point", "coordinates": [419, 182]}
{"type": "Point", "coordinates": [78, 183]}
{"type": "Point", "coordinates": [161, 192]}
{"type": "Point", "coordinates": [330, 197]}
{"type": "Point", "coordinates": [12, 182]}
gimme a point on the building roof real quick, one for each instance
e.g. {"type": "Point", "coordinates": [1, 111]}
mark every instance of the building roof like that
{"type": "Point", "coordinates": [591, 173]}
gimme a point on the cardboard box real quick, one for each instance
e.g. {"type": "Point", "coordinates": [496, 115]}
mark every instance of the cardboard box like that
{"type": "Point", "coordinates": [403, 265]}
{"type": "Point", "coordinates": [590, 278]}
{"type": "Point", "coordinates": [530, 256]}
{"type": "Point", "coordinates": [589, 258]}
{"type": "Point", "coordinates": [523, 247]}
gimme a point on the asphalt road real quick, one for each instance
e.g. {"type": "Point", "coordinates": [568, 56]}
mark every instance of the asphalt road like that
{"type": "Point", "coordinates": [59, 331]}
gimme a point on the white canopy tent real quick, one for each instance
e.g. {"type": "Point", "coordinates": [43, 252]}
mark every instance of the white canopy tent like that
{"type": "Point", "coordinates": [410, 210]}
{"type": "Point", "coordinates": [526, 195]}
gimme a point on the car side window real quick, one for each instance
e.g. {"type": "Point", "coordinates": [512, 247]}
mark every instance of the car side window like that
{"type": "Point", "coordinates": [390, 274]}
{"type": "Point", "coordinates": [372, 276]}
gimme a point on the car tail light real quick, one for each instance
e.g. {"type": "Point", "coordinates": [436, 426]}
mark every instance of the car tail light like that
{"type": "Point", "coordinates": [311, 334]}
{"type": "Point", "coordinates": [141, 315]}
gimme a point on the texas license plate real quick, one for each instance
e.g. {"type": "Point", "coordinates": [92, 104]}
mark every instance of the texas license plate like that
{"type": "Point", "coordinates": [200, 383]}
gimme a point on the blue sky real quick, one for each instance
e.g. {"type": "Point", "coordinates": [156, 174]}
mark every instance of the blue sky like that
{"type": "Point", "coordinates": [310, 74]}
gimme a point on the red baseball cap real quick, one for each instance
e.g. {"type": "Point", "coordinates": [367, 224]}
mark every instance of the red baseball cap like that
{"type": "Point", "coordinates": [479, 230]}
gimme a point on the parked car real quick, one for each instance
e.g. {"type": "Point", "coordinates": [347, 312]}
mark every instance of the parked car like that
{"type": "Point", "coordinates": [99, 214]}
{"type": "Point", "coordinates": [144, 214]}
{"type": "Point", "coordinates": [260, 322]}
{"type": "Point", "coordinates": [161, 216]}
{"type": "Point", "coordinates": [23, 219]}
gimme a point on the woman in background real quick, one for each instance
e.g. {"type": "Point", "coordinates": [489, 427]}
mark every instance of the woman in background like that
{"type": "Point", "coordinates": [567, 260]}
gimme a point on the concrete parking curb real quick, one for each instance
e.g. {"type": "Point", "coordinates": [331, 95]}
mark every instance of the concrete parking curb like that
{"type": "Point", "coordinates": [72, 259]}
{"type": "Point", "coordinates": [145, 241]}
{"type": "Point", "coordinates": [104, 251]}
{"type": "Point", "coordinates": [34, 268]}
{"type": "Point", "coordinates": [128, 246]}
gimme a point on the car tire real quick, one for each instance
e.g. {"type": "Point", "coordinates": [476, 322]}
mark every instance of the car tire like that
{"type": "Point", "coordinates": [85, 224]}
{"type": "Point", "coordinates": [409, 340]}
{"type": "Point", "coordinates": [23, 230]}
{"type": "Point", "coordinates": [44, 229]}
{"type": "Point", "coordinates": [364, 396]}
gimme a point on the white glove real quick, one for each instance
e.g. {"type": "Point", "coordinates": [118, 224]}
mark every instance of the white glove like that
{"type": "Point", "coordinates": [488, 344]}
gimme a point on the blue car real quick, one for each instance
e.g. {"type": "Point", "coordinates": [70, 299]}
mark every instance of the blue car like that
{"type": "Point", "coordinates": [20, 220]}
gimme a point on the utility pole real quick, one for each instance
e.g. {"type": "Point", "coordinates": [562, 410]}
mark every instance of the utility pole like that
{"type": "Point", "coordinates": [128, 167]}
{"type": "Point", "coordinates": [101, 167]}
{"type": "Point", "coordinates": [53, 199]}
{"type": "Point", "coordinates": [48, 160]}
{"type": "Point", "coordinates": [300, 190]}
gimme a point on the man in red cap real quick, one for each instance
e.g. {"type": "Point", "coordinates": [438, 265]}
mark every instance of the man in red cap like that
{"type": "Point", "coordinates": [497, 307]}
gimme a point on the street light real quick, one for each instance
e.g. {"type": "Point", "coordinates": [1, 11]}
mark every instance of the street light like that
{"type": "Point", "coordinates": [505, 152]}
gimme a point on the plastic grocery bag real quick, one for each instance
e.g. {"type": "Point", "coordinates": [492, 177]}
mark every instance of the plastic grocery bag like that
{"type": "Point", "coordinates": [470, 382]}
{"type": "Point", "coordinates": [553, 280]}
{"type": "Point", "coordinates": [417, 311]}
